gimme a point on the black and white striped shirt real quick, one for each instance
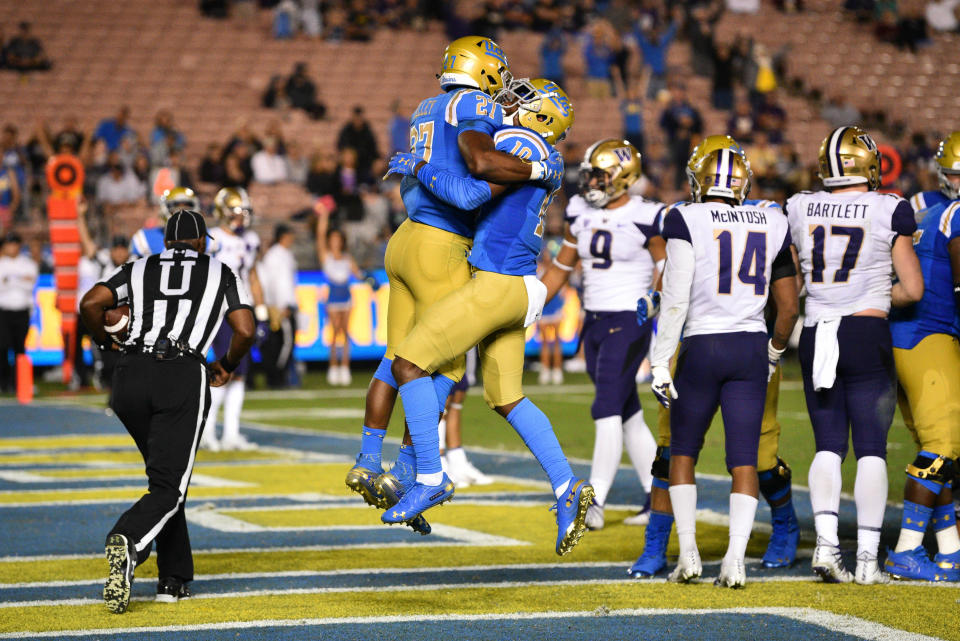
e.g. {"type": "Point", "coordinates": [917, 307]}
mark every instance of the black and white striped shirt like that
{"type": "Point", "coordinates": [178, 294]}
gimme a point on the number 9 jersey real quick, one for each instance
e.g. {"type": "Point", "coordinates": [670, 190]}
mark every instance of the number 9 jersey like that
{"type": "Point", "coordinates": [612, 246]}
{"type": "Point", "coordinates": [844, 242]}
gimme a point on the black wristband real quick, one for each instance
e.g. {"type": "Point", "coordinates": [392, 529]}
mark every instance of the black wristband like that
{"type": "Point", "coordinates": [227, 365]}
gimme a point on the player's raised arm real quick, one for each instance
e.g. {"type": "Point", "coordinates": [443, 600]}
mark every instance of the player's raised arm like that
{"type": "Point", "coordinates": [566, 260]}
{"type": "Point", "coordinates": [486, 162]}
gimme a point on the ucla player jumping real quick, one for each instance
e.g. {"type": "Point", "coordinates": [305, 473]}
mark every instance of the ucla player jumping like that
{"type": "Point", "coordinates": [427, 256]}
{"type": "Point", "coordinates": [492, 310]}
{"type": "Point", "coordinates": [617, 238]}
{"type": "Point", "coordinates": [947, 160]}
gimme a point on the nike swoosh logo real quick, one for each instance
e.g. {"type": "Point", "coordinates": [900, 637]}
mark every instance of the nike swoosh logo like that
{"type": "Point", "coordinates": [615, 329]}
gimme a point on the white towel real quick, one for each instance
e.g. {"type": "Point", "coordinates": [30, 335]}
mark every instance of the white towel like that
{"type": "Point", "coordinates": [826, 353]}
{"type": "Point", "coordinates": [536, 297]}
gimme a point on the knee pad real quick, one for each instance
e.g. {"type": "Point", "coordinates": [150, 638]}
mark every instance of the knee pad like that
{"type": "Point", "coordinates": [775, 482]}
{"type": "Point", "coordinates": [661, 468]}
{"type": "Point", "coordinates": [384, 373]}
{"type": "Point", "coordinates": [931, 471]}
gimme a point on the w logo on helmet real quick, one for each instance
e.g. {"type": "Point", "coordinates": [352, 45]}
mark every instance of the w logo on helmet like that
{"type": "Point", "coordinates": [867, 141]}
{"type": "Point", "coordinates": [623, 154]}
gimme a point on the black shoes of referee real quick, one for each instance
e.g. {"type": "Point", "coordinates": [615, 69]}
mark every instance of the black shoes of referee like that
{"type": "Point", "coordinates": [171, 589]}
{"type": "Point", "coordinates": [122, 557]}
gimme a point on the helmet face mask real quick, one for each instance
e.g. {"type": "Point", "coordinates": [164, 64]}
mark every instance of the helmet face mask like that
{"type": "Point", "coordinates": [547, 111]}
{"type": "Point", "coordinates": [947, 159]}
{"type": "Point", "coordinates": [849, 157]}
{"type": "Point", "coordinates": [609, 168]}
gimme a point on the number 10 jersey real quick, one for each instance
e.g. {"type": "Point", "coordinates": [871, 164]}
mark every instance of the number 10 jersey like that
{"type": "Point", "coordinates": [844, 242]}
{"type": "Point", "coordinates": [612, 245]}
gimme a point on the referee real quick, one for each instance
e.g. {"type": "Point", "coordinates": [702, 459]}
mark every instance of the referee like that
{"type": "Point", "coordinates": [161, 389]}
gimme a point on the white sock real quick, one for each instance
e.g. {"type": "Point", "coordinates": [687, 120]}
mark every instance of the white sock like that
{"type": "Point", "coordinates": [870, 494]}
{"type": "Point", "coordinates": [825, 485]}
{"type": "Point", "coordinates": [232, 405]}
{"type": "Point", "coordinates": [743, 509]}
{"type": "Point", "coordinates": [442, 431]}
{"type": "Point", "coordinates": [684, 499]}
{"type": "Point", "coordinates": [910, 539]}
{"type": "Point", "coordinates": [948, 540]}
{"type": "Point", "coordinates": [430, 479]}
{"type": "Point", "coordinates": [607, 452]}
{"type": "Point", "coordinates": [642, 448]}
{"type": "Point", "coordinates": [561, 489]}
{"type": "Point", "coordinates": [217, 394]}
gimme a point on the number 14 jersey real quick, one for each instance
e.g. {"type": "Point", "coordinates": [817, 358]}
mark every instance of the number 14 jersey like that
{"type": "Point", "coordinates": [844, 242]}
{"type": "Point", "coordinates": [612, 245]}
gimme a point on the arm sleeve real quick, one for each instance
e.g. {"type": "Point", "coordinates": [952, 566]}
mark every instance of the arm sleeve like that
{"type": "Point", "coordinates": [903, 222]}
{"type": "Point", "coordinates": [783, 264]}
{"type": "Point", "coordinates": [119, 283]}
{"type": "Point", "coordinates": [463, 192]}
{"type": "Point", "coordinates": [235, 295]}
{"type": "Point", "coordinates": [675, 299]}
{"type": "Point", "coordinates": [476, 111]}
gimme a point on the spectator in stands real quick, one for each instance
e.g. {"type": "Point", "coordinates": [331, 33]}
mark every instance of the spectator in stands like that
{"type": "Point", "coordinates": [360, 23]}
{"type": "Point", "coordinates": [399, 129]}
{"type": "Point", "coordinates": [358, 135]}
{"type": "Point", "coordinates": [772, 118]}
{"type": "Point", "coordinates": [285, 19]}
{"type": "Point", "coordinates": [302, 93]}
{"type": "Point", "coordinates": [275, 95]}
{"type": "Point", "coordinates": [681, 122]}
{"type": "Point", "coordinates": [310, 20]}
{"type": "Point", "coordinates": [838, 112]}
{"type": "Point", "coordinates": [269, 167]}
{"type": "Point", "coordinates": [165, 137]}
{"type": "Point", "coordinates": [24, 52]}
{"type": "Point", "coordinates": [335, 23]}
{"type": "Point", "coordinates": [599, 57]}
{"type": "Point", "coordinates": [349, 181]}
{"type": "Point", "coordinates": [298, 165]}
{"type": "Point", "coordinates": [18, 275]}
{"type": "Point", "coordinates": [9, 197]}
{"type": "Point", "coordinates": [551, 56]}
{"type": "Point", "coordinates": [763, 157]}
{"type": "Point", "coordinates": [211, 169]}
{"type": "Point", "coordinates": [113, 130]}
{"type": "Point", "coordinates": [631, 108]}
{"type": "Point", "coordinates": [241, 135]}
{"type": "Point", "coordinates": [215, 8]}
{"type": "Point", "coordinates": [943, 15]}
{"type": "Point", "coordinates": [547, 16]}
{"type": "Point", "coordinates": [119, 186]}
{"type": "Point", "coordinates": [742, 123]}
{"type": "Point", "coordinates": [70, 139]}
{"type": "Point", "coordinates": [654, 44]}
{"type": "Point", "coordinates": [171, 174]}
{"type": "Point", "coordinates": [238, 171]}
{"type": "Point", "coordinates": [722, 75]}
{"type": "Point", "coordinates": [322, 177]}
{"type": "Point", "coordinates": [278, 276]}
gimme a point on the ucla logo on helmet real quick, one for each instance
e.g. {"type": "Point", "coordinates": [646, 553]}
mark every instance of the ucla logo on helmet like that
{"type": "Point", "coordinates": [623, 154]}
{"type": "Point", "coordinates": [558, 100]}
{"type": "Point", "coordinates": [493, 49]}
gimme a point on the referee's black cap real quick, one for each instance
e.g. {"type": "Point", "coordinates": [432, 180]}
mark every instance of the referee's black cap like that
{"type": "Point", "coordinates": [185, 224]}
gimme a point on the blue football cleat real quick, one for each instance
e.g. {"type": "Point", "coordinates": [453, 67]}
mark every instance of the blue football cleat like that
{"type": "Point", "coordinates": [653, 560]}
{"type": "Point", "coordinates": [417, 499]}
{"type": "Point", "coordinates": [393, 485]}
{"type": "Point", "coordinates": [361, 478]}
{"type": "Point", "coordinates": [571, 512]}
{"type": "Point", "coordinates": [949, 563]}
{"type": "Point", "coordinates": [915, 564]}
{"type": "Point", "coordinates": [782, 548]}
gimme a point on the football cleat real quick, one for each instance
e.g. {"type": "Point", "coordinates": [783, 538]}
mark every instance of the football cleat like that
{"type": "Point", "coordinates": [915, 564]}
{"type": "Point", "coordinates": [122, 557]}
{"type": "Point", "coordinates": [642, 517]}
{"type": "Point", "coordinates": [733, 574]}
{"type": "Point", "coordinates": [361, 479]}
{"type": "Point", "coordinates": [828, 564]}
{"type": "Point", "coordinates": [688, 568]}
{"type": "Point", "coordinates": [417, 499]}
{"type": "Point", "coordinates": [393, 485]}
{"type": "Point", "coordinates": [571, 511]}
{"type": "Point", "coordinates": [464, 470]}
{"type": "Point", "coordinates": [594, 519]}
{"type": "Point", "coordinates": [238, 443]}
{"type": "Point", "coordinates": [171, 589]}
{"type": "Point", "coordinates": [654, 557]}
{"type": "Point", "coordinates": [868, 571]}
{"type": "Point", "coordinates": [782, 548]}
{"type": "Point", "coordinates": [949, 563]}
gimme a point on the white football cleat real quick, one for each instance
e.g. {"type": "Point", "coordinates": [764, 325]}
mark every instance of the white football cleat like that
{"type": "Point", "coordinates": [557, 377]}
{"type": "Point", "coordinates": [333, 376]}
{"type": "Point", "coordinates": [594, 517]}
{"type": "Point", "coordinates": [476, 476]}
{"type": "Point", "coordinates": [239, 443]}
{"type": "Point", "coordinates": [345, 377]}
{"type": "Point", "coordinates": [733, 574]}
{"type": "Point", "coordinates": [640, 518]}
{"type": "Point", "coordinates": [209, 443]}
{"type": "Point", "coordinates": [688, 568]}
{"type": "Point", "coordinates": [869, 572]}
{"type": "Point", "coordinates": [828, 564]}
{"type": "Point", "coordinates": [543, 378]}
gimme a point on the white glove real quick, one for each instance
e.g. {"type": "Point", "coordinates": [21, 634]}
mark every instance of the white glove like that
{"type": "Point", "coordinates": [773, 358]}
{"type": "Point", "coordinates": [662, 385]}
{"type": "Point", "coordinates": [261, 313]}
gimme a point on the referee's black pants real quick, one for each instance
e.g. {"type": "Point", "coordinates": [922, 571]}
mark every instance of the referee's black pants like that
{"type": "Point", "coordinates": [14, 325]}
{"type": "Point", "coordinates": [164, 405]}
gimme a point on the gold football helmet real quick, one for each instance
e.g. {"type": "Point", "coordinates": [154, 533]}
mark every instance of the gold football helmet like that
{"type": "Point", "coordinates": [230, 204]}
{"type": "Point", "coordinates": [548, 111]}
{"type": "Point", "coordinates": [948, 164]}
{"type": "Point", "coordinates": [176, 199]}
{"type": "Point", "coordinates": [712, 143]}
{"type": "Point", "coordinates": [848, 156]}
{"type": "Point", "coordinates": [722, 173]}
{"type": "Point", "coordinates": [610, 166]}
{"type": "Point", "coordinates": [475, 61]}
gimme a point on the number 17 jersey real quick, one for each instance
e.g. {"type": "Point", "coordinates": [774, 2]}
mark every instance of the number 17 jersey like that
{"type": "Point", "coordinates": [844, 242]}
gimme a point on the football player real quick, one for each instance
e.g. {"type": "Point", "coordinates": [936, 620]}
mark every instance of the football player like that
{"type": "Point", "coordinates": [774, 474]}
{"type": "Point", "coordinates": [149, 240]}
{"type": "Point", "coordinates": [617, 238]}
{"type": "Point", "coordinates": [726, 358]}
{"type": "Point", "coordinates": [427, 257]}
{"type": "Point", "coordinates": [927, 358]}
{"type": "Point", "coordinates": [948, 171]}
{"type": "Point", "coordinates": [493, 309]}
{"type": "Point", "coordinates": [850, 238]}
{"type": "Point", "coordinates": [236, 245]}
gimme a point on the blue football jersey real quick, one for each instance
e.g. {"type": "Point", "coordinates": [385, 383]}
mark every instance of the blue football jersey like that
{"type": "Point", "coordinates": [147, 241]}
{"type": "Point", "coordinates": [926, 200]}
{"type": "Point", "coordinates": [434, 128]}
{"type": "Point", "coordinates": [936, 312]}
{"type": "Point", "coordinates": [510, 228]}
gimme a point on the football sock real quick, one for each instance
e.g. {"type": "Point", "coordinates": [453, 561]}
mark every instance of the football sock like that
{"type": "Point", "coordinates": [442, 434]}
{"type": "Point", "coordinates": [870, 494]}
{"type": "Point", "coordinates": [419, 399]}
{"type": "Point", "coordinates": [443, 385]}
{"type": "Point", "coordinates": [913, 524]}
{"type": "Point", "coordinates": [406, 462]}
{"type": "Point", "coordinates": [774, 487]}
{"type": "Point", "coordinates": [825, 485]}
{"type": "Point", "coordinates": [371, 443]}
{"type": "Point", "coordinates": [217, 394]}
{"type": "Point", "coordinates": [658, 532]}
{"type": "Point", "coordinates": [607, 452]}
{"type": "Point", "coordinates": [232, 406]}
{"type": "Point", "coordinates": [642, 448]}
{"type": "Point", "coordinates": [743, 509]}
{"type": "Point", "coordinates": [384, 374]}
{"type": "Point", "coordinates": [684, 500]}
{"type": "Point", "coordinates": [945, 526]}
{"type": "Point", "coordinates": [535, 429]}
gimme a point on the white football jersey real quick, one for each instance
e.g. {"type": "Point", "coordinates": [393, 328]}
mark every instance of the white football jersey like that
{"type": "Point", "coordinates": [612, 245]}
{"type": "Point", "coordinates": [239, 253]}
{"type": "Point", "coordinates": [844, 242]}
{"type": "Point", "coordinates": [734, 248]}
